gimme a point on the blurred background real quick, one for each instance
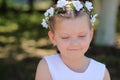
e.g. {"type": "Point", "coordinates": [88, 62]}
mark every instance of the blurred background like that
{"type": "Point", "coordinates": [23, 41]}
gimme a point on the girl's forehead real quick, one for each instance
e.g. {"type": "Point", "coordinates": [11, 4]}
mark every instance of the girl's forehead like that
{"type": "Point", "coordinates": [78, 24]}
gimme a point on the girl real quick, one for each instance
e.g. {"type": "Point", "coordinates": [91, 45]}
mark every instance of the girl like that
{"type": "Point", "coordinates": [70, 30]}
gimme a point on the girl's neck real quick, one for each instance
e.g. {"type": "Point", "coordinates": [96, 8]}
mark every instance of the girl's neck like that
{"type": "Point", "coordinates": [73, 58]}
{"type": "Point", "coordinates": [77, 64]}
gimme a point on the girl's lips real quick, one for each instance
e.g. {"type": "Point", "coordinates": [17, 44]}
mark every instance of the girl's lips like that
{"type": "Point", "coordinates": [74, 49]}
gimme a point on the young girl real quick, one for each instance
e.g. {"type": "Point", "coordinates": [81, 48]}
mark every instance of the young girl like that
{"type": "Point", "coordinates": [70, 30]}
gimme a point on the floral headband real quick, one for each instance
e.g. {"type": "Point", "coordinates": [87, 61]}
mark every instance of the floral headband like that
{"type": "Point", "coordinates": [75, 5]}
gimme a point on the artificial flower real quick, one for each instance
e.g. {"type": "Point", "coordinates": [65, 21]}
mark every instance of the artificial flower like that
{"type": "Point", "coordinates": [93, 18]}
{"type": "Point", "coordinates": [61, 3]}
{"type": "Point", "coordinates": [44, 23]}
{"type": "Point", "coordinates": [49, 12]}
{"type": "Point", "coordinates": [88, 5]}
{"type": "Point", "coordinates": [77, 5]}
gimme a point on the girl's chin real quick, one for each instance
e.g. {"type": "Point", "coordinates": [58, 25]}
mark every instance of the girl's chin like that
{"type": "Point", "coordinates": [76, 52]}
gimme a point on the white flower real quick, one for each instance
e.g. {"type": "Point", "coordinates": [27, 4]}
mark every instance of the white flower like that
{"type": "Point", "coordinates": [44, 23]}
{"type": "Point", "coordinates": [93, 18]}
{"type": "Point", "coordinates": [61, 3]}
{"type": "Point", "coordinates": [89, 5]}
{"type": "Point", "coordinates": [77, 5]}
{"type": "Point", "coordinates": [49, 12]}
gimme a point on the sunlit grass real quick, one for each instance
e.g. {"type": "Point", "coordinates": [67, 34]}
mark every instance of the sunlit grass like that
{"type": "Point", "coordinates": [10, 39]}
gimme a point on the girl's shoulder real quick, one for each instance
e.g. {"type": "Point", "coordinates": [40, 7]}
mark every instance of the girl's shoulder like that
{"type": "Point", "coordinates": [42, 72]}
{"type": "Point", "coordinates": [97, 64]}
{"type": "Point", "coordinates": [51, 57]}
{"type": "Point", "coordinates": [101, 67]}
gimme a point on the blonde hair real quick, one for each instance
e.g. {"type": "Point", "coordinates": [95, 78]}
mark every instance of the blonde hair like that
{"type": "Point", "coordinates": [67, 13]}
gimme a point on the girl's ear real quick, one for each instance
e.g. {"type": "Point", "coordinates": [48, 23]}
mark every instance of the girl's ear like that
{"type": "Point", "coordinates": [91, 33]}
{"type": "Point", "coordinates": [52, 37]}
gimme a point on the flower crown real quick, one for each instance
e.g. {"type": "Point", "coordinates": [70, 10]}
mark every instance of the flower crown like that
{"type": "Point", "coordinates": [75, 5]}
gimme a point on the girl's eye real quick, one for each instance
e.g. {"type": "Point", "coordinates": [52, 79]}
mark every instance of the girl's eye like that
{"type": "Point", "coordinates": [81, 36]}
{"type": "Point", "coordinates": [65, 37]}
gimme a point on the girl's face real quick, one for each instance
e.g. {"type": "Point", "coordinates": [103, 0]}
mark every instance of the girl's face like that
{"type": "Point", "coordinates": [72, 36]}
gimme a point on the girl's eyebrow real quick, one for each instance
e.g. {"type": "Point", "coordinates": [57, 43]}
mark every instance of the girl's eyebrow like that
{"type": "Point", "coordinates": [67, 34]}
{"type": "Point", "coordinates": [82, 33]}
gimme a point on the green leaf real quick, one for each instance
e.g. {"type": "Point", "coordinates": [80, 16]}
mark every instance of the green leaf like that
{"type": "Point", "coordinates": [72, 6]}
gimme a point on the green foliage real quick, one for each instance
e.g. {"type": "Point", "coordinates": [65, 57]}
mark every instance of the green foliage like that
{"type": "Point", "coordinates": [7, 25]}
{"type": "Point", "coordinates": [22, 25]}
{"type": "Point", "coordinates": [0, 1]}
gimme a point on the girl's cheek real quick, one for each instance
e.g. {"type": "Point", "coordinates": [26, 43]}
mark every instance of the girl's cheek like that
{"type": "Point", "coordinates": [65, 41]}
{"type": "Point", "coordinates": [62, 41]}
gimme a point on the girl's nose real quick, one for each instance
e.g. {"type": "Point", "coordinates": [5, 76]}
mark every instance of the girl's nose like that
{"type": "Point", "coordinates": [75, 41]}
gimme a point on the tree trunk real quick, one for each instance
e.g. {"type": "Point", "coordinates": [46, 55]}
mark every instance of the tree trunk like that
{"type": "Point", "coordinates": [31, 5]}
{"type": "Point", "coordinates": [105, 34]}
{"type": "Point", "coordinates": [4, 6]}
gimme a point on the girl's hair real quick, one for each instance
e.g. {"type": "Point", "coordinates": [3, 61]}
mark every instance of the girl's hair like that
{"type": "Point", "coordinates": [55, 1]}
{"type": "Point", "coordinates": [67, 13]}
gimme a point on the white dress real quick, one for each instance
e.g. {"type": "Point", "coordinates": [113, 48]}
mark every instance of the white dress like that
{"type": "Point", "coordinates": [59, 71]}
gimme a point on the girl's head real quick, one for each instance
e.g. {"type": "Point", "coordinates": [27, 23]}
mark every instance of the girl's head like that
{"type": "Point", "coordinates": [68, 9]}
{"type": "Point", "coordinates": [69, 14]}
{"type": "Point", "coordinates": [70, 28]}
